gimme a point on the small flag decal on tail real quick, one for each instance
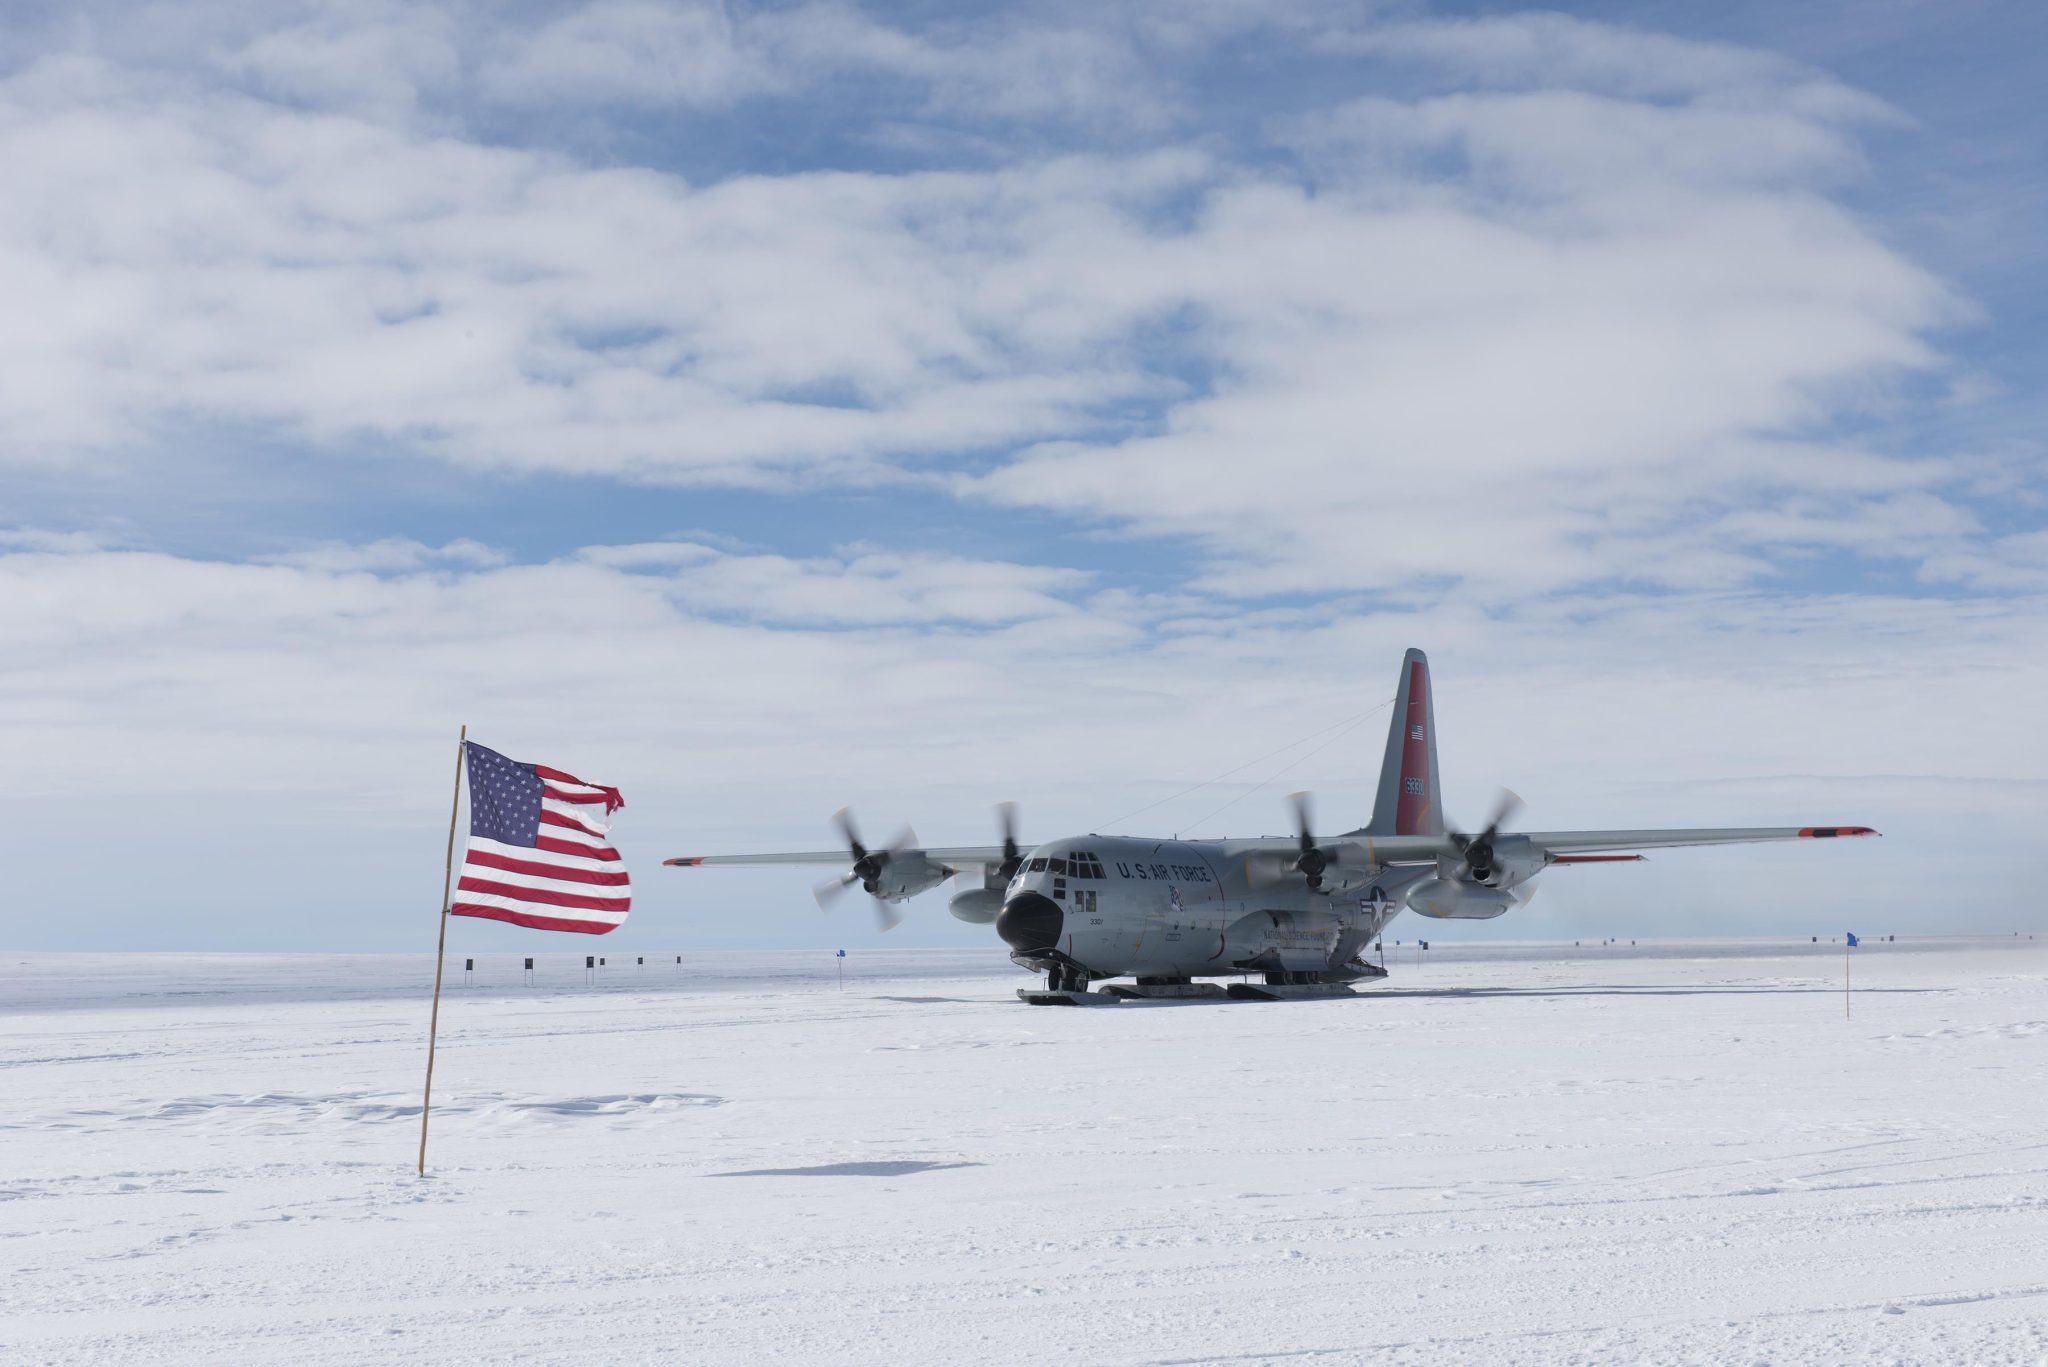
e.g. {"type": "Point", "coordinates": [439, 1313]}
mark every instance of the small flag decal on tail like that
{"type": "Point", "coordinates": [537, 854]}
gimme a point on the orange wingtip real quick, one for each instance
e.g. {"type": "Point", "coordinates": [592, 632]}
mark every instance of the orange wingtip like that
{"type": "Point", "coordinates": [687, 861]}
{"type": "Point", "coordinates": [1830, 832]}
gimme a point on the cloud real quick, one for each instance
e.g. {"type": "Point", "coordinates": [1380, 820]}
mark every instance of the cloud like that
{"type": "Point", "coordinates": [386, 555]}
{"type": "Point", "coordinates": [1574, 149]}
{"type": "Point", "coordinates": [42, 539]}
{"type": "Point", "coordinates": [367, 58]}
{"type": "Point", "coordinates": [876, 588]}
{"type": "Point", "coordinates": [861, 586]}
{"type": "Point", "coordinates": [1583, 306]}
{"type": "Point", "coordinates": [629, 52]}
{"type": "Point", "coordinates": [1550, 50]}
{"type": "Point", "coordinates": [985, 70]}
{"type": "Point", "coordinates": [338, 280]}
{"type": "Point", "coordinates": [1558, 384]}
{"type": "Point", "coordinates": [2015, 562]}
{"type": "Point", "coordinates": [714, 653]}
{"type": "Point", "coordinates": [301, 708]}
{"type": "Point", "coordinates": [1581, 324]}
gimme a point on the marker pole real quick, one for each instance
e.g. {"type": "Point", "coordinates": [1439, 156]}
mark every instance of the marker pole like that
{"type": "Point", "coordinates": [441, 950]}
{"type": "Point", "coordinates": [1845, 977]}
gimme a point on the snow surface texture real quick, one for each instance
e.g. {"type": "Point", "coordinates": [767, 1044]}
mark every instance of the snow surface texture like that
{"type": "Point", "coordinates": [1506, 1154]}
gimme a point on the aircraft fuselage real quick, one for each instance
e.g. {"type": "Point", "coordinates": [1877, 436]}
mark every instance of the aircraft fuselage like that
{"type": "Point", "coordinates": [1114, 906]}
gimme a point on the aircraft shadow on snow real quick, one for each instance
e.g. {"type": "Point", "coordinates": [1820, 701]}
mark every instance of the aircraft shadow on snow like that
{"type": "Point", "coordinates": [1644, 990]}
{"type": "Point", "coordinates": [903, 1168]}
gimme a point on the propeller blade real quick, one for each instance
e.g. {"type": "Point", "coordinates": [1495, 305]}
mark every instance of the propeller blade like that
{"type": "Point", "coordinates": [1006, 822]}
{"type": "Point", "coordinates": [887, 917]}
{"type": "Point", "coordinates": [1304, 819]}
{"type": "Point", "coordinates": [832, 889]}
{"type": "Point", "coordinates": [1504, 808]}
{"type": "Point", "coordinates": [843, 819]}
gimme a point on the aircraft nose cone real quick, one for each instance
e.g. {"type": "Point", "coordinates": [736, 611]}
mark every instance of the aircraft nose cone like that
{"type": "Point", "coordinates": [1030, 921]}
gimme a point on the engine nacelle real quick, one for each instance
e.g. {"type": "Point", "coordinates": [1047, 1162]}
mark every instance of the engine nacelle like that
{"type": "Point", "coordinates": [1513, 862]}
{"type": "Point", "coordinates": [906, 875]}
{"type": "Point", "coordinates": [976, 906]}
{"type": "Point", "coordinates": [1447, 900]}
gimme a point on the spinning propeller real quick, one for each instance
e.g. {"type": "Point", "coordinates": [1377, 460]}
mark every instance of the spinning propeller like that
{"type": "Point", "coordinates": [1312, 863]}
{"type": "Point", "coordinates": [866, 871]}
{"type": "Point", "coordinates": [1477, 850]}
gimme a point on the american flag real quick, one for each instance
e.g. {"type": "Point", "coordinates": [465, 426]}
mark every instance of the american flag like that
{"type": "Point", "coordinates": [537, 854]}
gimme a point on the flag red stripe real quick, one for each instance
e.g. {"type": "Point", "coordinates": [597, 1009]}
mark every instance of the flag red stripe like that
{"type": "Point", "coordinates": [553, 846]}
{"type": "Point", "coordinates": [549, 818]}
{"type": "Point", "coordinates": [485, 859]}
{"type": "Point", "coordinates": [609, 796]}
{"type": "Point", "coordinates": [544, 897]}
{"type": "Point", "coordinates": [520, 918]}
{"type": "Point", "coordinates": [588, 799]}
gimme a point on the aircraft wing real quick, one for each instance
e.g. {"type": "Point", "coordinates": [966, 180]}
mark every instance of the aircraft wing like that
{"type": "Point", "coordinates": [1566, 843]}
{"type": "Point", "coordinates": [1572, 846]}
{"type": "Point", "coordinates": [953, 855]}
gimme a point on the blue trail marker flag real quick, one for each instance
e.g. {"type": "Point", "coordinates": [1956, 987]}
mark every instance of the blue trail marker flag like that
{"type": "Point", "coordinates": [537, 853]}
{"type": "Point", "coordinates": [1852, 939]}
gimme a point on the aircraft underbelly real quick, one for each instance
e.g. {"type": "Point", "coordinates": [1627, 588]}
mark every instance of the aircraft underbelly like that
{"type": "Point", "coordinates": [1220, 943]}
{"type": "Point", "coordinates": [1294, 941]}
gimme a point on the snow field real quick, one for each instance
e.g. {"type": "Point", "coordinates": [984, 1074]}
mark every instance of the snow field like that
{"type": "Point", "coordinates": [1512, 1155]}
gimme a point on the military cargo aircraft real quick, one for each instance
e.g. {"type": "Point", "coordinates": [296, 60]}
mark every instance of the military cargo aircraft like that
{"type": "Point", "coordinates": [1285, 917]}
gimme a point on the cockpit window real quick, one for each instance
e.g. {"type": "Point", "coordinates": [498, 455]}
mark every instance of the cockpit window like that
{"type": "Point", "coordinates": [1038, 864]}
{"type": "Point", "coordinates": [1059, 866]}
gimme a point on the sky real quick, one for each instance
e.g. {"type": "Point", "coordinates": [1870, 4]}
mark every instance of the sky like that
{"type": "Point", "coordinates": [769, 408]}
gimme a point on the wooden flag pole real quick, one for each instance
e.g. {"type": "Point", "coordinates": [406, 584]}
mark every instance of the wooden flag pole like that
{"type": "Point", "coordinates": [441, 950]}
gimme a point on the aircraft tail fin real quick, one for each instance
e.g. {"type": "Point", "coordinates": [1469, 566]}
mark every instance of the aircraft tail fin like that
{"type": "Point", "coordinates": [1408, 802]}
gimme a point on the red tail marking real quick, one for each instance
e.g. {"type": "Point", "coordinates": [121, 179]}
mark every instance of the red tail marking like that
{"type": "Point", "coordinates": [1415, 795]}
{"type": "Point", "coordinates": [1830, 832]}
